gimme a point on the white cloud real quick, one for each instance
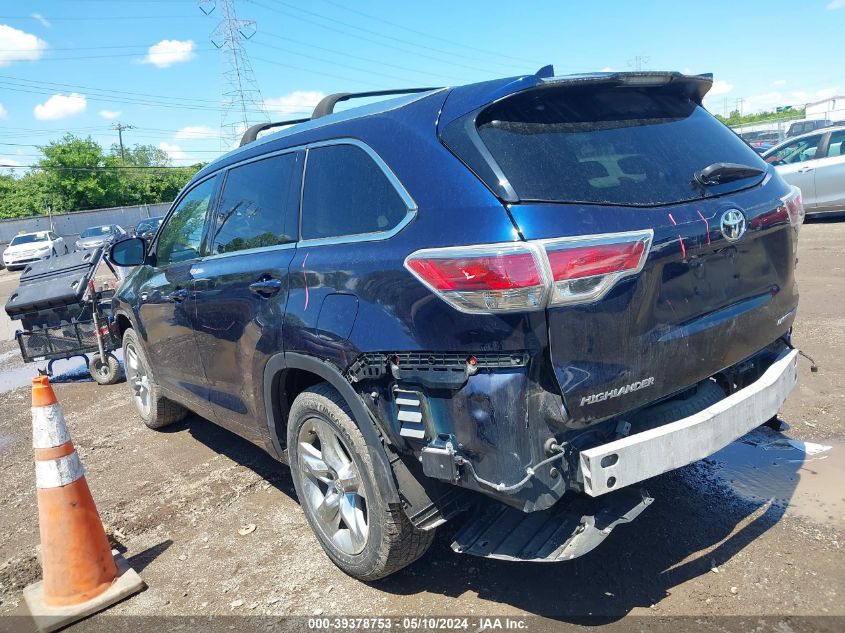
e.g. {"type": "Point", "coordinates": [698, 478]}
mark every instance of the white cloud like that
{"type": "Point", "coordinates": [42, 20]}
{"type": "Point", "coordinates": [196, 131]}
{"type": "Point", "coordinates": [607, 69]}
{"type": "Point", "coordinates": [3, 112]}
{"type": "Point", "coordinates": [297, 101]}
{"type": "Point", "coordinates": [720, 87]}
{"type": "Point", "coordinates": [16, 46]}
{"type": "Point", "coordinates": [826, 93]}
{"type": "Point", "coordinates": [779, 82]}
{"type": "Point", "coordinates": [109, 114]}
{"type": "Point", "coordinates": [60, 107]}
{"type": "Point", "coordinates": [169, 52]}
{"type": "Point", "coordinates": [836, 4]}
{"type": "Point", "coordinates": [174, 151]}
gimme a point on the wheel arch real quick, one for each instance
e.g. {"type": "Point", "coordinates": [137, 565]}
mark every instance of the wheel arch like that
{"type": "Point", "coordinates": [286, 375]}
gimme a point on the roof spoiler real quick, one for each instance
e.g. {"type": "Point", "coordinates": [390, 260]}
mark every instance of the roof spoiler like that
{"type": "Point", "coordinates": [326, 107]}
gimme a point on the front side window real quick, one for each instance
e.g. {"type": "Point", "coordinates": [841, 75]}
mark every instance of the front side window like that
{"type": "Point", "coordinates": [346, 193]}
{"type": "Point", "coordinates": [254, 207]}
{"type": "Point", "coordinates": [181, 238]}
{"type": "Point", "coordinates": [796, 151]}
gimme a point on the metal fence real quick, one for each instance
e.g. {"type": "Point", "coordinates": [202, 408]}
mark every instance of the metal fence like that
{"type": "Point", "coordinates": [70, 225]}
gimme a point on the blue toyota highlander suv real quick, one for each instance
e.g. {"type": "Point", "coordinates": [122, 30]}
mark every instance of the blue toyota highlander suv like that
{"type": "Point", "coordinates": [512, 301]}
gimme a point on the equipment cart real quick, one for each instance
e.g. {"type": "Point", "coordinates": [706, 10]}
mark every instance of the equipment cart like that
{"type": "Point", "coordinates": [64, 316]}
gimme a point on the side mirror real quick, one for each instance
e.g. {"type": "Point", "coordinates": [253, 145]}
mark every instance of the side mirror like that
{"type": "Point", "coordinates": [130, 252]}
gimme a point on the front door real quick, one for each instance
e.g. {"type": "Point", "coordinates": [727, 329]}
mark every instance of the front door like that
{"type": "Point", "coordinates": [830, 174]}
{"type": "Point", "coordinates": [241, 287]}
{"type": "Point", "coordinates": [167, 306]}
{"type": "Point", "coordinates": [795, 163]}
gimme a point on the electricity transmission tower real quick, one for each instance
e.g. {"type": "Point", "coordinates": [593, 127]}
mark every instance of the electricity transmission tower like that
{"type": "Point", "coordinates": [639, 62]}
{"type": "Point", "coordinates": [242, 103]}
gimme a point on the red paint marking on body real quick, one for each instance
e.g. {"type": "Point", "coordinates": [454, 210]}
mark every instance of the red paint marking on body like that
{"type": "Point", "coordinates": [706, 224]}
{"type": "Point", "coordinates": [305, 279]}
{"type": "Point", "coordinates": [681, 239]}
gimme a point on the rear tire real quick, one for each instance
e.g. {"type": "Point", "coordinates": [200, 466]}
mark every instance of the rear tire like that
{"type": "Point", "coordinates": [333, 474]}
{"type": "Point", "coordinates": [104, 372]}
{"type": "Point", "coordinates": [155, 410]}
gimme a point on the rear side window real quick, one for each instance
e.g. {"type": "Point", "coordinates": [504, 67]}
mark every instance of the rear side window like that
{"type": "Point", "coordinates": [795, 152]}
{"type": "Point", "coordinates": [622, 146]}
{"type": "Point", "coordinates": [255, 206]}
{"type": "Point", "coordinates": [347, 193]}
{"type": "Point", "coordinates": [836, 145]}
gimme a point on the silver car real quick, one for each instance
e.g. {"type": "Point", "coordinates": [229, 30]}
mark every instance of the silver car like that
{"type": "Point", "coordinates": [815, 163]}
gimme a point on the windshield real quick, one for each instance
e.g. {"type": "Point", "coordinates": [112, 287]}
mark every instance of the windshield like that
{"type": "Point", "coordinates": [96, 231]}
{"type": "Point", "coordinates": [29, 238]}
{"type": "Point", "coordinates": [147, 225]}
{"type": "Point", "coordinates": [609, 145]}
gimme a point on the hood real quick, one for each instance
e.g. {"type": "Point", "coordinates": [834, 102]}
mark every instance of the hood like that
{"type": "Point", "coordinates": [94, 241]}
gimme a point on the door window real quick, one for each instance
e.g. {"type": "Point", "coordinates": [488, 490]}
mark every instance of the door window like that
{"type": "Point", "coordinates": [796, 151]}
{"type": "Point", "coordinates": [347, 193]}
{"type": "Point", "coordinates": [836, 145]}
{"type": "Point", "coordinates": [181, 238]}
{"type": "Point", "coordinates": [255, 206]}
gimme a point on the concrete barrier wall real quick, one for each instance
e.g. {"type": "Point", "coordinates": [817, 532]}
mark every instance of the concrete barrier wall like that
{"type": "Point", "coordinates": [70, 225]}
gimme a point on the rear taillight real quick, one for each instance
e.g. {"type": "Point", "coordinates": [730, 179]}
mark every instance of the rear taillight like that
{"type": "Point", "coordinates": [492, 278]}
{"type": "Point", "coordinates": [794, 208]}
{"type": "Point", "coordinates": [583, 269]}
{"type": "Point", "coordinates": [530, 275]}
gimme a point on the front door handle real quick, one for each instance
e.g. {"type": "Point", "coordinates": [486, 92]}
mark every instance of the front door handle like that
{"type": "Point", "coordinates": [178, 296]}
{"type": "Point", "coordinates": [266, 287]}
{"type": "Point", "coordinates": [805, 169]}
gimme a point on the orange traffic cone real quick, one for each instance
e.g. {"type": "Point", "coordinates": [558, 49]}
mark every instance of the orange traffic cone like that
{"type": "Point", "coordinates": [80, 575]}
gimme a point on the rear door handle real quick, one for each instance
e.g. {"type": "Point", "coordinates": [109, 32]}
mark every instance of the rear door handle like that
{"type": "Point", "coordinates": [178, 296]}
{"type": "Point", "coordinates": [804, 170]}
{"type": "Point", "coordinates": [266, 287]}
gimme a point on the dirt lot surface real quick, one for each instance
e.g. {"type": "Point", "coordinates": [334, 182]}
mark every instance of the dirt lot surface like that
{"type": "Point", "coordinates": [757, 530]}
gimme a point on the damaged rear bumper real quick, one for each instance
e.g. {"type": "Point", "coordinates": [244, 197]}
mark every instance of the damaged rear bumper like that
{"type": "Point", "coordinates": [643, 455]}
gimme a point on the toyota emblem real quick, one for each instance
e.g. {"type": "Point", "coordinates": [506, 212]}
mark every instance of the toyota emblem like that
{"type": "Point", "coordinates": [733, 225]}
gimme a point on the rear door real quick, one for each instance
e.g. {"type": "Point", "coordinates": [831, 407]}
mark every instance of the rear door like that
{"type": "Point", "coordinates": [796, 164]}
{"type": "Point", "coordinates": [241, 287]}
{"type": "Point", "coordinates": [167, 308]}
{"type": "Point", "coordinates": [830, 174]}
{"type": "Point", "coordinates": [659, 280]}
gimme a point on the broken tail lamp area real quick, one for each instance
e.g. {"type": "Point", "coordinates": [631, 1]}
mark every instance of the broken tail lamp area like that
{"type": "Point", "coordinates": [525, 276]}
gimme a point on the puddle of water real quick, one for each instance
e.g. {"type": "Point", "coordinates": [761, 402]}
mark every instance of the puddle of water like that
{"type": "Point", "coordinates": [808, 483]}
{"type": "Point", "coordinates": [63, 371]}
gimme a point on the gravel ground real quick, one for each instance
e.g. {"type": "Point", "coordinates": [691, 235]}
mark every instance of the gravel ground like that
{"type": "Point", "coordinates": [747, 532]}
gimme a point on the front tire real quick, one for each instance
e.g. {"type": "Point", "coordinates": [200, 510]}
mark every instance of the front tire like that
{"type": "Point", "coordinates": [333, 474]}
{"type": "Point", "coordinates": [155, 410]}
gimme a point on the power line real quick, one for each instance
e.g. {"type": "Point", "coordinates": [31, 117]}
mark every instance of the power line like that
{"type": "Point", "coordinates": [120, 127]}
{"type": "Point", "coordinates": [95, 17]}
{"type": "Point", "coordinates": [397, 25]}
{"type": "Point", "coordinates": [355, 32]}
{"type": "Point", "coordinates": [104, 168]}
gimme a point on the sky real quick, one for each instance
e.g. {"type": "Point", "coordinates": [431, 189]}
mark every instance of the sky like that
{"type": "Point", "coordinates": [83, 66]}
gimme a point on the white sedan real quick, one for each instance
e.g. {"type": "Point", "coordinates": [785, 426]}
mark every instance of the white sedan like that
{"type": "Point", "coordinates": [815, 163]}
{"type": "Point", "coordinates": [32, 247]}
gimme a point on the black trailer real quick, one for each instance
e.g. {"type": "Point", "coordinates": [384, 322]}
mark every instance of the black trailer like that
{"type": "Point", "coordinates": [64, 316]}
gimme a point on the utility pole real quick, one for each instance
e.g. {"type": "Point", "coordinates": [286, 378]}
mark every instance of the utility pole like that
{"type": "Point", "coordinates": [120, 127]}
{"type": "Point", "coordinates": [639, 62]}
{"type": "Point", "coordinates": [242, 103]}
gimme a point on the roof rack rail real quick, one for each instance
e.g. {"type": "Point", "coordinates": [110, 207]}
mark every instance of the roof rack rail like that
{"type": "Point", "coordinates": [327, 104]}
{"type": "Point", "coordinates": [252, 132]}
{"type": "Point", "coordinates": [324, 108]}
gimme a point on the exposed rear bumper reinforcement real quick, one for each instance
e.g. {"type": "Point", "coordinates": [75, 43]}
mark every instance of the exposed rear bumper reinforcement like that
{"type": "Point", "coordinates": [642, 455]}
{"type": "Point", "coordinates": [569, 529]}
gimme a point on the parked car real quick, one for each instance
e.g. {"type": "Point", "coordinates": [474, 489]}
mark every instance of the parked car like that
{"type": "Point", "coordinates": [100, 236]}
{"type": "Point", "coordinates": [807, 125]}
{"type": "Point", "coordinates": [517, 322]}
{"type": "Point", "coordinates": [815, 163]}
{"type": "Point", "coordinates": [147, 228]}
{"type": "Point", "coordinates": [26, 248]}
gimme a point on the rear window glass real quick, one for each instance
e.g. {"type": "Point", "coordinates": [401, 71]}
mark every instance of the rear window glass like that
{"type": "Point", "coordinates": [96, 231]}
{"type": "Point", "coordinates": [609, 146]}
